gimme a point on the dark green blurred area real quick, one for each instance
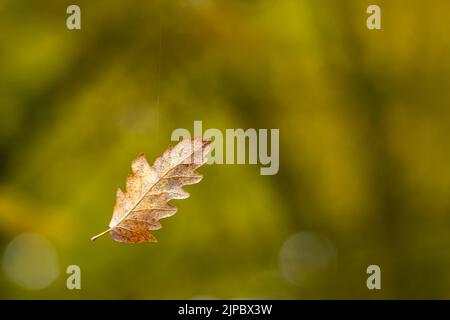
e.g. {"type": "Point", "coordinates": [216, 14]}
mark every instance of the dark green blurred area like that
{"type": "Point", "coordinates": [364, 122]}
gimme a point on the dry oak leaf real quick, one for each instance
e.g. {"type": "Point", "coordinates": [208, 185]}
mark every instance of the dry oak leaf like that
{"type": "Point", "coordinates": [149, 188]}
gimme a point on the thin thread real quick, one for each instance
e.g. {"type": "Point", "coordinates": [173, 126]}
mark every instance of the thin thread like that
{"type": "Point", "coordinates": [158, 84]}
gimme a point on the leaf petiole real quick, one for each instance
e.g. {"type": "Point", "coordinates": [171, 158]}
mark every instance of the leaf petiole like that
{"type": "Point", "coordinates": [100, 234]}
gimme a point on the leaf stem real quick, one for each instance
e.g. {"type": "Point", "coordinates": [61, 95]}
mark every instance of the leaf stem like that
{"type": "Point", "coordinates": [100, 234]}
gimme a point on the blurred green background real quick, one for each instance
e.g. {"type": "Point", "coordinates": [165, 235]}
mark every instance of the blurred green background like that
{"type": "Point", "coordinates": [364, 122]}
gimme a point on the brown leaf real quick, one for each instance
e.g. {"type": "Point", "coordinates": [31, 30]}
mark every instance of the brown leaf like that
{"type": "Point", "coordinates": [149, 188]}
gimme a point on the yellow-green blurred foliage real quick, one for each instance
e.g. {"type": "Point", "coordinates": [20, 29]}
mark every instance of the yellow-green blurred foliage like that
{"type": "Point", "coordinates": [364, 122]}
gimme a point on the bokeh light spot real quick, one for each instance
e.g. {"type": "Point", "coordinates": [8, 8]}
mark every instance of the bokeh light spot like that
{"type": "Point", "coordinates": [30, 261]}
{"type": "Point", "coordinates": [304, 257]}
